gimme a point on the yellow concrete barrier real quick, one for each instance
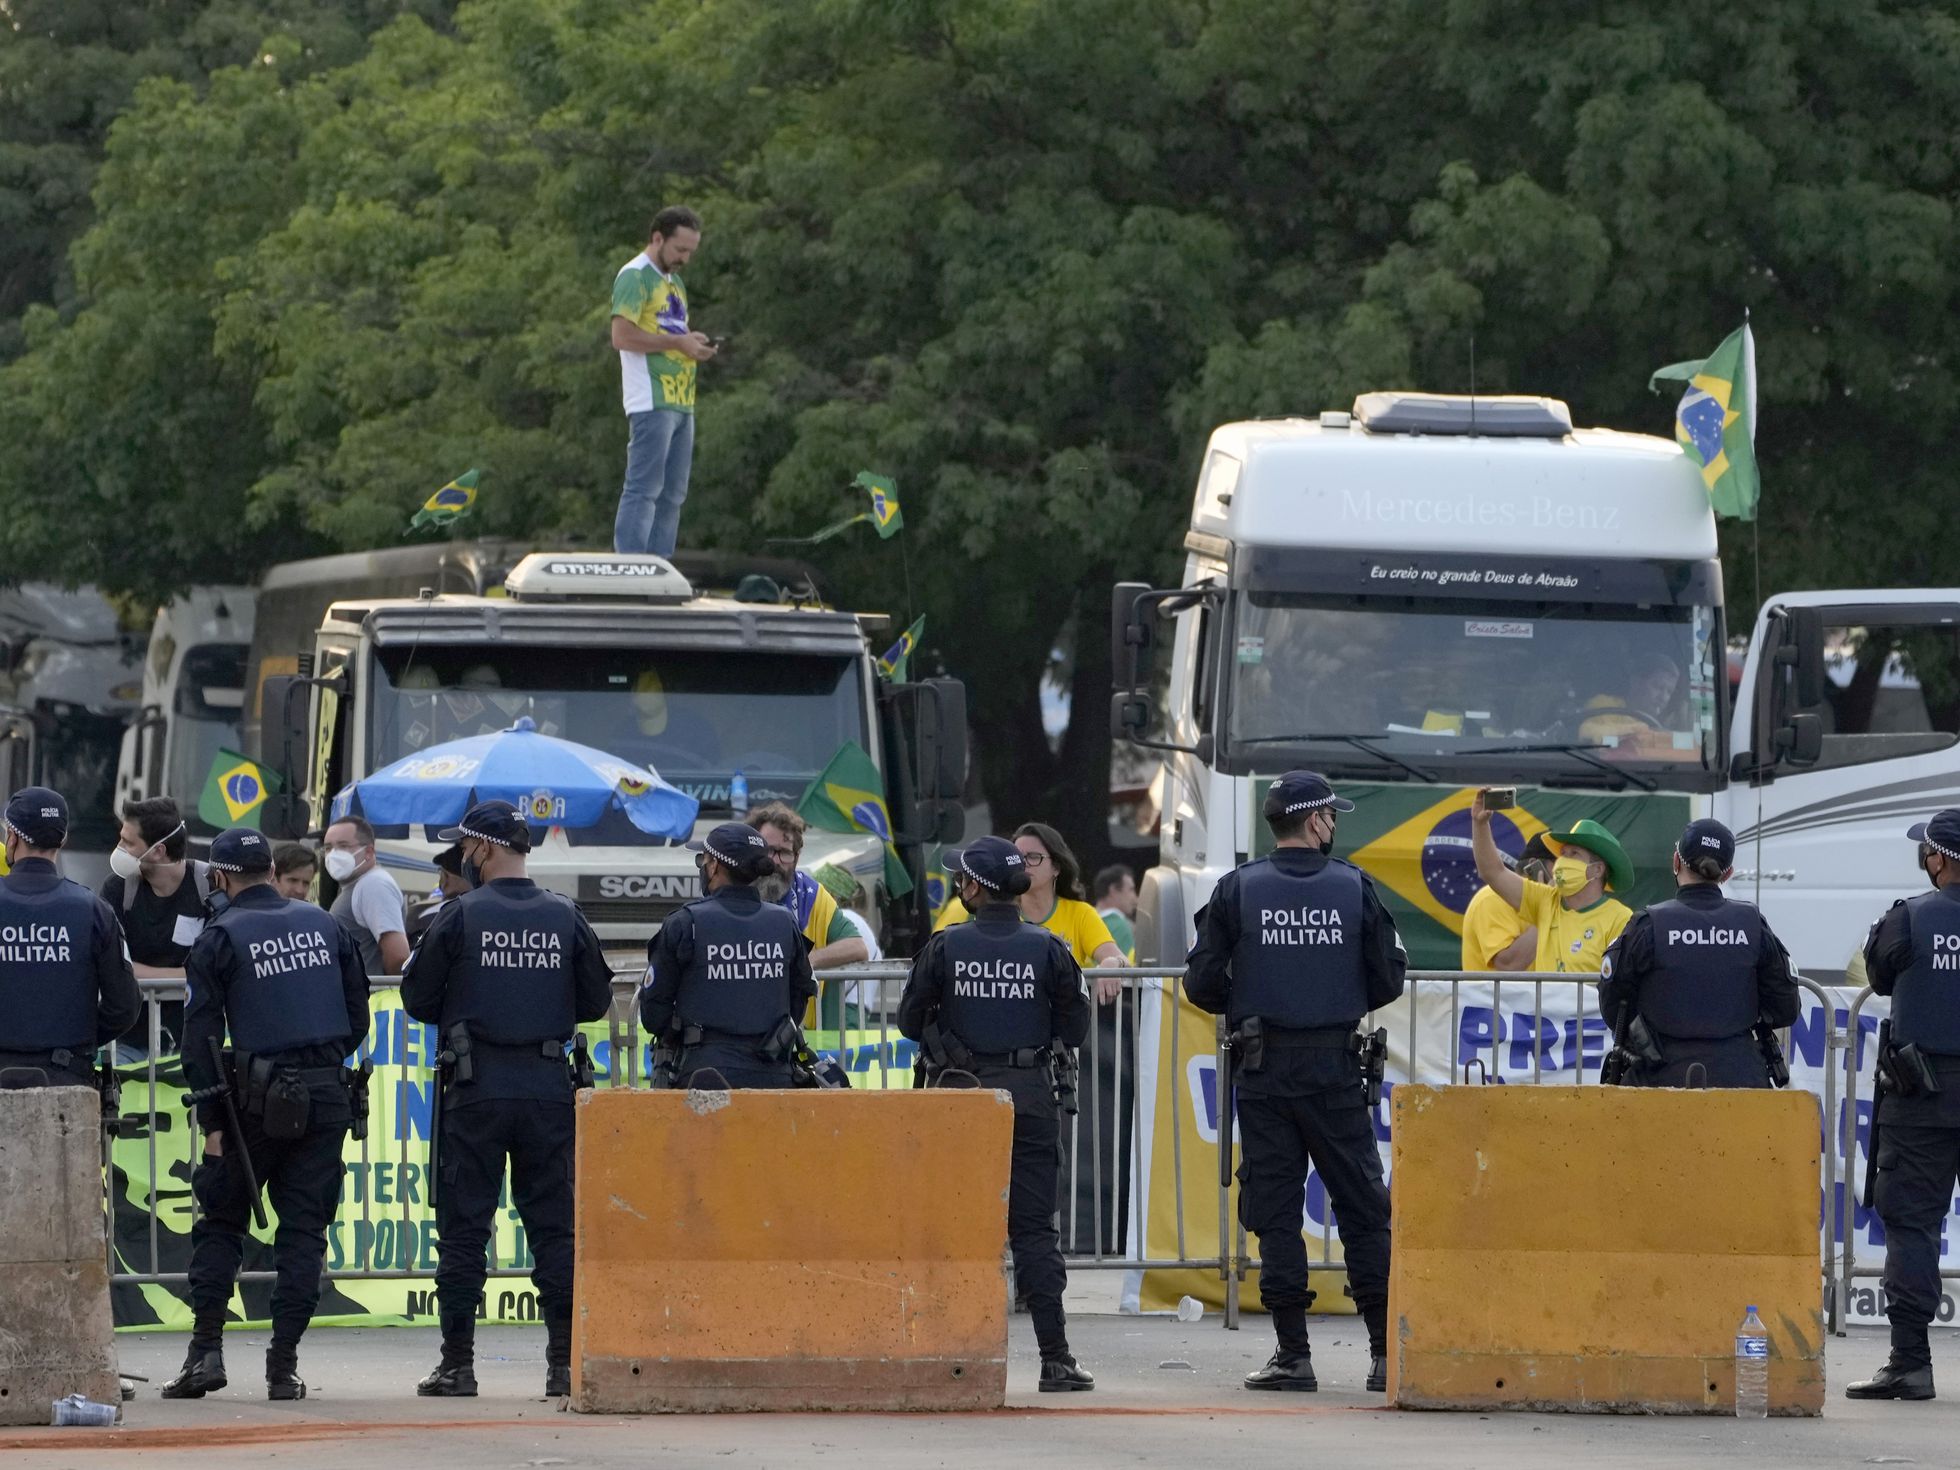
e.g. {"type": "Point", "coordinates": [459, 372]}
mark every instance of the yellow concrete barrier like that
{"type": "Point", "coordinates": [791, 1250]}
{"type": "Point", "coordinates": [1593, 1248]}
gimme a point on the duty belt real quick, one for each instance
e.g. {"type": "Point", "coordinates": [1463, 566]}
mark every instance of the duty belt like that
{"type": "Point", "coordinates": [67, 1058]}
{"type": "Point", "coordinates": [550, 1050]}
{"type": "Point", "coordinates": [1026, 1057]}
{"type": "Point", "coordinates": [1329, 1038]}
{"type": "Point", "coordinates": [709, 1036]}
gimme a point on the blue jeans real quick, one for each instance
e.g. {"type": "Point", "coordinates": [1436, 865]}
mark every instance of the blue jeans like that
{"type": "Point", "coordinates": [659, 454]}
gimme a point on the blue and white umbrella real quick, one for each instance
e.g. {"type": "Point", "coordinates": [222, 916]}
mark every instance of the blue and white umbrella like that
{"type": "Point", "coordinates": [552, 782]}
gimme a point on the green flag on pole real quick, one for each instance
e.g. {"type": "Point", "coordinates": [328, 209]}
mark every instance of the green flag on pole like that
{"type": "Point", "coordinates": [1716, 422]}
{"type": "Point", "coordinates": [849, 796]}
{"type": "Point", "coordinates": [235, 791]}
{"type": "Point", "coordinates": [452, 501]}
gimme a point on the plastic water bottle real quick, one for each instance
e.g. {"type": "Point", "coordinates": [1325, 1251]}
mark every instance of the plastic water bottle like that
{"type": "Point", "coordinates": [76, 1410]}
{"type": "Point", "coordinates": [738, 794]}
{"type": "Point", "coordinates": [1751, 1368]}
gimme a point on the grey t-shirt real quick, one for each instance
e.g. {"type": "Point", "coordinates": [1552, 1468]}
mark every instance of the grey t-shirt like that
{"type": "Point", "coordinates": [369, 907]}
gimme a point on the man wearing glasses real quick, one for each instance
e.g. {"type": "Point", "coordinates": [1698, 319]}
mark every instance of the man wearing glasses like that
{"type": "Point", "coordinates": [834, 940]}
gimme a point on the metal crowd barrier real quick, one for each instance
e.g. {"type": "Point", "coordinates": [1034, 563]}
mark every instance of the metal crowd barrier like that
{"type": "Point", "coordinates": [860, 1003]}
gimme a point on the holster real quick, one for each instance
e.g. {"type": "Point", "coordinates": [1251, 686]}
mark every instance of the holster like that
{"type": "Point", "coordinates": [944, 1051]}
{"type": "Point", "coordinates": [579, 1059]}
{"type": "Point", "coordinates": [783, 1043]}
{"type": "Point", "coordinates": [286, 1100]}
{"type": "Point", "coordinates": [1064, 1072]}
{"type": "Point", "coordinates": [1371, 1049]}
{"type": "Point", "coordinates": [1248, 1043]}
{"type": "Point", "coordinates": [1909, 1071]}
{"type": "Point", "coordinates": [1772, 1050]}
{"type": "Point", "coordinates": [356, 1080]}
{"type": "Point", "coordinates": [458, 1062]}
{"type": "Point", "coordinates": [1643, 1044]}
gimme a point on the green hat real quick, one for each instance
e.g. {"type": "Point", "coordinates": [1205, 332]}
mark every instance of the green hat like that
{"type": "Point", "coordinates": [841, 885]}
{"type": "Point", "coordinates": [1596, 840]}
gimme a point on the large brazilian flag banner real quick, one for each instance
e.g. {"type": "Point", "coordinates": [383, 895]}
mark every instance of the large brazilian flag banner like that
{"type": "Point", "coordinates": [1414, 841]}
{"type": "Point", "coordinates": [385, 1221]}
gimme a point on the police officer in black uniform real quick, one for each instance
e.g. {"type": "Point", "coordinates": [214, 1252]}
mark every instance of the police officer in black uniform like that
{"type": "Point", "coordinates": [506, 971]}
{"type": "Point", "coordinates": [1913, 955]}
{"type": "Point", "coordinates": [990, 998]}
{"type": "Point", "coordinates": [65, 982]}
{"type": "Point", "coordinates": [1697, 975]}
{"type": "Point", "coordinates": [288, 983]}
{"type": "Point", "coordinates": [728, 974]}
{"type": "Point", "coordinates": [1294, 949]}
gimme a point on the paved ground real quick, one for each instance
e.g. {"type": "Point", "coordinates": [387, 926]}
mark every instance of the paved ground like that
{"type": "Point", "coordinates": [1167, 1394]}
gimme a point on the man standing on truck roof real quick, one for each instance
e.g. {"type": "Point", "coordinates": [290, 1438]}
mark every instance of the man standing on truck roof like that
{"type": "Point", "coordinates": [1575, 919]}
{"type": "Point", "coordinates": [658, 355]}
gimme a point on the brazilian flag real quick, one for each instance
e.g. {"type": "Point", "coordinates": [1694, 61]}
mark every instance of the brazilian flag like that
{"type": "Point", "coordinates": [849, 796]}
{"type": "Point", "coordinates": [894, 662]}
{"type": "Point", "coordinates": [452, 501]}
{"type": "Point", "coordinates": [885, 513]}
{"type": "Point", "coordinates": [235, 791]}
{"type": "Point", "coordinates": [1715, 422]}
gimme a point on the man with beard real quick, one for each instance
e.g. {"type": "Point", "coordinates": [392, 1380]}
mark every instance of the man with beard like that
{"type": "Point", "coordinates": [834, 940]}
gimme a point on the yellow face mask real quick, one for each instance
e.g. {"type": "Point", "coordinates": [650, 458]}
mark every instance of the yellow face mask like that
{"type": "Point", "coordinates": [1569, 875]}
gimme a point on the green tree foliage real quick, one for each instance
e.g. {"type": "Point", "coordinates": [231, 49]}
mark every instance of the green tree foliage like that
{"type": "Point", "coordinates": [1023, 256]}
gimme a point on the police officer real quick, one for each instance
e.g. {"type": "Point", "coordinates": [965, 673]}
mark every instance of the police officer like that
{"type": "Point", "coordinates": [65, 981]}
{"type": "Point", "coordinates": [505, 972]}
{"type": "Point", "coordinates": [289, 984]}
{"type": "Point", "coordinates": [1913, 955]}
{"type": "Point", "coordinates": [1294, 949]}
{"type": "Point", "coordinates": [1699, 972]}
{"type": "Point", "coordinates": [727, 974]}
{"type": "Point", "coordinates": [989, 998]}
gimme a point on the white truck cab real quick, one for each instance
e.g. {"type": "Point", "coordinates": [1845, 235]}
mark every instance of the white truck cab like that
{"type": "Point", "coordinates": [1431, 593]}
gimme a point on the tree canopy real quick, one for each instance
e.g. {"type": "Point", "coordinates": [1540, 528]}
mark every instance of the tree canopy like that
{"type": "Point", "coordinates": [1021, 255]}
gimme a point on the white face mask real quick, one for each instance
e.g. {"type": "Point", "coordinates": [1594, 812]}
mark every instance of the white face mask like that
{"type": "Point", "coordinates": [341, 865]}
{"type": "Point", "coordinates": [125, 864]}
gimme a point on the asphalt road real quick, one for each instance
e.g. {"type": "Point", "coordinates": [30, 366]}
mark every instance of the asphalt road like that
{"type": "Point", "coordinates": [1168, 1393]}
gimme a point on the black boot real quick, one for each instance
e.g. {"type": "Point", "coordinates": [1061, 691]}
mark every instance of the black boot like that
{"type": "Point", "coordinates": [203, 1372]}
{"type": "Point", "coordinates": [557, 1356]}
{"type": "Point", "coordinates": [1062, 1374]}
{"type": "Point", "coordinates": [1898, 1379]}
{"type": "Point", "coordinates": [1375, 1314]}
{"type": "Point", "coordinates": [1285, 1372]}
{"type": "Point", "coordinates": [282, 1380]}
{"type": "Point", "coordinates": [455, 1376]}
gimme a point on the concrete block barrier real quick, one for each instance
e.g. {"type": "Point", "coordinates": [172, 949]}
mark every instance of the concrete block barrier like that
{"type": "Point", "coordinates": [55, 1333]}
{"type": "Point", "coordinates": [791, 1251]}
{"type": "Point", "coordinates": [1593, 1248]}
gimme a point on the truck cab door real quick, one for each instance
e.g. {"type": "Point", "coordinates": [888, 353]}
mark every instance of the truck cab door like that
{"type": "Point", "coordinates": [1847, 732]}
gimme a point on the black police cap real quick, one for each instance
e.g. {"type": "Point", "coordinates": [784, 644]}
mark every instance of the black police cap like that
{"type": "Point", "coordinates": [39, 815]}
{"type": "Point", "coordinates": [1707, 838]}
{"type": "Point", "coordinates": [993, 862]}
{"type": "Point", "coordinates": [1941, 832]}
{"type": "Point", "coordinates": [1302, 791]}
{"type": "Point", "coordinates": [739, 848]}
{"type": "Point", "coordinates": [241, 850]}
{"type": "Point", "coordinates": [493, 821]}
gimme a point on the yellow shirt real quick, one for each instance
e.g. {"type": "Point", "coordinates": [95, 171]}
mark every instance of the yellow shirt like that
{"type": "Point", "coordinates": [1076, 923]}
{"type": "Point", "coordinates": [1572, 940]}
{"type": "Point", "coordinates": [1489, 927]}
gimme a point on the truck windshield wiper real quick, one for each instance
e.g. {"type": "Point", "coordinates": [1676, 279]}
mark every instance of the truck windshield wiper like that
{"type": "Point", "coordinates": [1359, 742]}
{"type": "Point", "coordinates": [1578, 753]}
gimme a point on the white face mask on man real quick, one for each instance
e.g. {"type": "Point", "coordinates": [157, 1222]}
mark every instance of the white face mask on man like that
{"type": "Point", "coordinates": [127, 865]}
{"type": "Point", "coordinates": [341, 865]}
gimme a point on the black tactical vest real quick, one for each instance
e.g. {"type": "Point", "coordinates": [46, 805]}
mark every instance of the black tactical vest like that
{"type": "Point", "coordinates": [1704, 980]}
{"type": "Point", "coordinates": [1926, 997]}
{"type": "Point", "coordinates": [1298, 959]}
{"type": "Point", "coordinates": [47, 965]}
{"type": "Point", "coordinates": [284, 991]}
{"type": "Point", "coordinates": [737, 982]}
{"type": "Point", "coordinates": [997, 985]}
{"type": "Point", "coordinates": [513, 986]}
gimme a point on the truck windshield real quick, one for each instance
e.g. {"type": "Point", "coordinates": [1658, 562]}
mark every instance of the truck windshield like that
{"type": "Point", "coordinates": [695, 718]}
{"type": "Point", "coordinates": [1471, 690]}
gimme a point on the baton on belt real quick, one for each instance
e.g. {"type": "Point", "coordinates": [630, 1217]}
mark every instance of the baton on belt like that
{"type": "Point", "coordinates": [236, 1130]}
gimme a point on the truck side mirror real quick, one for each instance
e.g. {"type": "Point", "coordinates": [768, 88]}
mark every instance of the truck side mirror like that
{"type": "Point", "coordinates": [942, 741]}
{"type": "Point", "coordinates": [1801, 740]}
{"type": "Point", "coordinates": [283, 817]}
{"type": "Point", "coordinates": [1131, 637]}
{"type": "Point", "coordinates": [1129, 714]}
{"type": "Point", "coordinates": [1807, 641]}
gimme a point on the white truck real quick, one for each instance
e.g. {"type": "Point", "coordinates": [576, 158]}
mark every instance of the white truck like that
{"type": "Point", "coordinates": [1431, 593]}
{"type": "Point", "coordinates": [619, 653]}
